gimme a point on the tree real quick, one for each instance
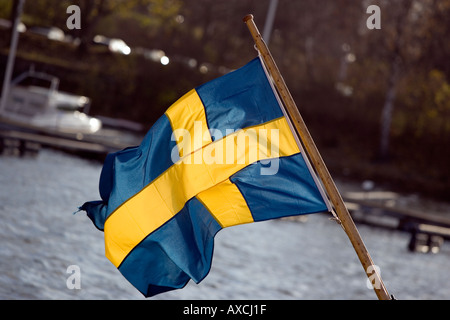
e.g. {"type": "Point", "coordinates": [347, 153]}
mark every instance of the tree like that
{"type": "Point", "coordinates": [51, 13]}
{"type": "Point", "coordinates": [397, 58]}
{"type": "Point", "coordinates": [413, 35]}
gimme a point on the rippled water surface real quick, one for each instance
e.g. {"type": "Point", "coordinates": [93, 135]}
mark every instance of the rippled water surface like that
{"type": "Point", "coordinates": [40, 238]}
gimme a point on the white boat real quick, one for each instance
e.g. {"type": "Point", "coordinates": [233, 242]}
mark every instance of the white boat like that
{"type": "Point", "coordinates": [31, 104]}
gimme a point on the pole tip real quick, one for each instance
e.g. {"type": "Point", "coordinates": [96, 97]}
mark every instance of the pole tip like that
{"type": "Point", "coordinates": [248, 17]}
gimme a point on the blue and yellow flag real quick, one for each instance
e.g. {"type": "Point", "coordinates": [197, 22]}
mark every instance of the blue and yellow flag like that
{"type": "Point", "coordinates": [222, 155]}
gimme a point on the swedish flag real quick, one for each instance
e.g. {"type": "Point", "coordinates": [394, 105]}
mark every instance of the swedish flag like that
{"type": "Point", "coordinates": [222, 155]}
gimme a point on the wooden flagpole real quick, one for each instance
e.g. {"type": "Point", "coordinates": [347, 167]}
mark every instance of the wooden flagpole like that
{"type": "Point", "coordinates": [318, 163]}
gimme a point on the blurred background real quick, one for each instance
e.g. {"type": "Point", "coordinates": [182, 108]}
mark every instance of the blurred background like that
{"type": "Point", "coordinates": [377, 102]}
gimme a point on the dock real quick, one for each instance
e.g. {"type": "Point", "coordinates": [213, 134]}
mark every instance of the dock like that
{"type": "Point", "coordinates": [23, 139]}
{"type": "Point", "coordinates": [427, 230]}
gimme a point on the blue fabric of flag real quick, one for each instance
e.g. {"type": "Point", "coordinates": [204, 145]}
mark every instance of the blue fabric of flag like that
{"type": "Point", "coordinates": [192, 230]}
{"type": "Point", "coordinates": [275, 196]}
{"type": "Point", "coordinates": [239, 99]}
{"type": "Point", "coordinates": [126, 172]}
{"type": "Point", "coordinates": [181, 247]}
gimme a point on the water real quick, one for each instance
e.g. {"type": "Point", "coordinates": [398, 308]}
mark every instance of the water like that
{"type": "Point", "coordinates": [281, 259]}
